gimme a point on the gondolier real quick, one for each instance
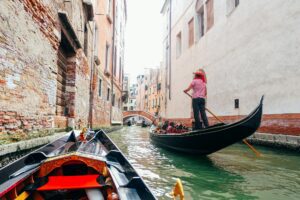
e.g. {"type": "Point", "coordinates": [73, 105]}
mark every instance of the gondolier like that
{"type": "Point", "coordinates": [199, 95]}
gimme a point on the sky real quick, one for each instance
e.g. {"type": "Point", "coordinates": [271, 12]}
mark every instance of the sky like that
{"type": "Point", "coordinates": [143, 36]}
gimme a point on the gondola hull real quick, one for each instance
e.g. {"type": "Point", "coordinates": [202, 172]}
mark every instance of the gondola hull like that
{"type": "Point", "coordinates": [72, 169]}
{"type": "Point", "coordinates": [212, 139]}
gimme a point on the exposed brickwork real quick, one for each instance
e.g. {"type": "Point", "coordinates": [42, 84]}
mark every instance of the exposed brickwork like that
{"type": "Point", "coordinates": [101, 107]}
{"type": "Point", "coordinates": [11, 121]}
{"type": "Point", "coordinates": [30, 78]}
{"type": "Point", "coordinates": [27, 72]}
{"type": "Point", "coordinates": [147, 115]}
{"type": "Point", "coordinates": [82, 95]}
{"type": "Point", "coordinates": [43, 16]}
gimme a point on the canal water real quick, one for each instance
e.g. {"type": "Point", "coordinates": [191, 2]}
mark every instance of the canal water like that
{"type": "Point", "coordinates": [232, 173]}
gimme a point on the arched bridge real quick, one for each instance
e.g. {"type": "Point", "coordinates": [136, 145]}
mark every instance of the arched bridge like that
{"type": "Point", "coordinates": [146, 115]}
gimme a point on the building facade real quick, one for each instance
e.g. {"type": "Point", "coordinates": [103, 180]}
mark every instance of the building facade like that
{"type": "Point", "coordinates": [150, 94]}
{"type": "Point", "coordinates": [130, 93]}
{"type": "Point", "coordinates": [51, 63]}
{"type": "Point", "coordinates": [110, 25]}
{"type": "Point", "coordinates": [243, 55]}
{"type": "Point", "coordinates": [141, 90]}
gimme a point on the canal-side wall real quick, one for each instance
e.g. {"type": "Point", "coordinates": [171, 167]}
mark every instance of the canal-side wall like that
{"type": "Point", "coordinates": [279, 141]}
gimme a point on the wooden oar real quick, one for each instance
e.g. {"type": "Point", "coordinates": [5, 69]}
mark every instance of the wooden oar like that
{"type": "Point", "coordinates": [258, 154]}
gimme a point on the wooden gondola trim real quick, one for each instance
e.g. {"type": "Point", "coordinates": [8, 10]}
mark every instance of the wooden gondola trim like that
{"type": "Point", "coordinates": [49, 166]}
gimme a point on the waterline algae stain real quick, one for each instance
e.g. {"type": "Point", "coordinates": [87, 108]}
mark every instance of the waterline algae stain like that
{"type": "Point", "coordinates": [232, 173]}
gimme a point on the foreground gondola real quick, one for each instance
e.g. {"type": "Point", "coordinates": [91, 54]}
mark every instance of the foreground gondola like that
{"type": "Point", "coordinates": [72, 169]}
{"type": "Point", "coordinates": [211, 139]}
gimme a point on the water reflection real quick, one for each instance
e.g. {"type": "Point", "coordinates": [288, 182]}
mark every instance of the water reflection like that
{"type": "Point", "coordinates": [233, 173]}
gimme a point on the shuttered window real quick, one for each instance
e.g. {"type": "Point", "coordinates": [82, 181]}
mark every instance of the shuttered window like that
{"type": "Point", "coordinates": [210, 13]}
{"type": "Point", "coordinates": [191, 32]}
{"type": "Point", "coordinates": [178, 45]}
{"type": "Point", "coordinates": [61, 109]}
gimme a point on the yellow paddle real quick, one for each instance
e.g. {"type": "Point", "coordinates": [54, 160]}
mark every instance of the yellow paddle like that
{"type": "Point", "coordinates": [258, 154]}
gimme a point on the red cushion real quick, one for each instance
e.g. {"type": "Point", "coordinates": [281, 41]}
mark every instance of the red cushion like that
{"type": "Point", "coordinates": [70, 182]}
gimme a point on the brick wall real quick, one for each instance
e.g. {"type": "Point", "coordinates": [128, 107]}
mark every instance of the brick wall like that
{"type": "Point", "coordinates": [30, 35]}
{"type": "Point", "coordinates": [27, 68]}
{"type": "Point", "coordinates": [30, 38]}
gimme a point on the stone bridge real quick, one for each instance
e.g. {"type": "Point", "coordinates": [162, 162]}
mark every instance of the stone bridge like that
{"type": "Point", "coordinates": [146, 115]}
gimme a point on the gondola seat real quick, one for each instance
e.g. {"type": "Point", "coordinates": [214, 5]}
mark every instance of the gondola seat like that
{"type": "Point", "coordinates": [71, 182]}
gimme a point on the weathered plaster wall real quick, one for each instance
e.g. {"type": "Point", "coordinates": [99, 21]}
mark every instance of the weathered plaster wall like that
{"type": "Point", "coordinates": [248, 53]}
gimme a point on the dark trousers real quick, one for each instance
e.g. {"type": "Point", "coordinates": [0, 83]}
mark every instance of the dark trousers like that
{"type": "Point", "coordinates": [199, 106]}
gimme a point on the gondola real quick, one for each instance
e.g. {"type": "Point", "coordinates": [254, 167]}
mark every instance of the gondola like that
{"type": "Point", "coordinates": [144, 124]}
{"type": "Point", "coordinates": [70, 168]}
{"type": "Point", "coordinates": [211, 139]}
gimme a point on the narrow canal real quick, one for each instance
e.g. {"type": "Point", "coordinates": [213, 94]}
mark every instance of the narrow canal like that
{"type": "Point", "coordinates": [233, 173]}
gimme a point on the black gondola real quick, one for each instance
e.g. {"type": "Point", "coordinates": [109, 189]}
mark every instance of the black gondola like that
{"type": "Point", "coordinates": [211, 139]}
{"type": "Point", "coordinates": [72, 169]}
{"type": "Point", "coordinates": [144, 124]}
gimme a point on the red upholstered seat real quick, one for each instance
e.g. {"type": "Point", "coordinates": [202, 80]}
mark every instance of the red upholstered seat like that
{"type": "Point", "coordinates": [70, 182]}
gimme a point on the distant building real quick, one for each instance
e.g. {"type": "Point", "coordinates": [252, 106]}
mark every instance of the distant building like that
{"type": "Point", "coordinates": [132, 97]}
{"type": "Point", "coordinates": [247, 48]}
{"type": "Point", "coordinates": [130, 91]}
{"type": "Point", "coordinates": [141, 90]}
{"type": "Point", "coordinates": [150, 94]}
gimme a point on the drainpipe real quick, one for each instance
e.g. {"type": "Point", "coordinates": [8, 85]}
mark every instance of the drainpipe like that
{"type": "Point", "coordinates": [170, 49]}
{"type": "Point", "coordinates": [90, 124]}
{"type": "Point", "coordinates": [113, 61]}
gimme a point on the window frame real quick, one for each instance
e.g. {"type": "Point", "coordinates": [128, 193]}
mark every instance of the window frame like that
{"type": "Point", "coordinates": [191, 32]}
{"type": "Point", "coordinates": [100, 87]}
{"type": "Point", "coordinates": [178, 44]}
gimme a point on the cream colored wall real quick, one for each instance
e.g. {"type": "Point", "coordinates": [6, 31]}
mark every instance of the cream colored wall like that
{"type": "Point", "coordinates": [250, 52]}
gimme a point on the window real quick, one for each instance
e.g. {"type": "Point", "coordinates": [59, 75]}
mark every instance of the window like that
{"type": "Point", "coordinates": [231, 5]}
{"type": "Point", "coordinates": [85, 45]}
{"type": "Point", "coordinates": [115, 62]}
{"type": "Point", "coordinates": [120, 70]}
{"type": "Point", "coordinates": [191, 32]}
{"type": "Point", "coordinates": [210, 13]}
{"type": "Point", "coordinates": [178, 44]}
{"type": "Point", "coordinates": [113, 99]}
{"type": "Point", "coordinates": [236, 3]}
{"type": "Point", "coordinates": [108, 9]}
{"type": "Point", "coordinates": [100, 88]}
{"type": "Point", "coordinates": [96, 44]}
{"type": "Point", "coordinates": [200, 23]}
{"type": "Point", "coordinates": [108, 94]}
{"type": "Point", "coordinates": [107, 56]}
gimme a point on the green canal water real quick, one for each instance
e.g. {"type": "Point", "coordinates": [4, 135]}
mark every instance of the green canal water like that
{"type": "Point", "coordinates": [232, 173]}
